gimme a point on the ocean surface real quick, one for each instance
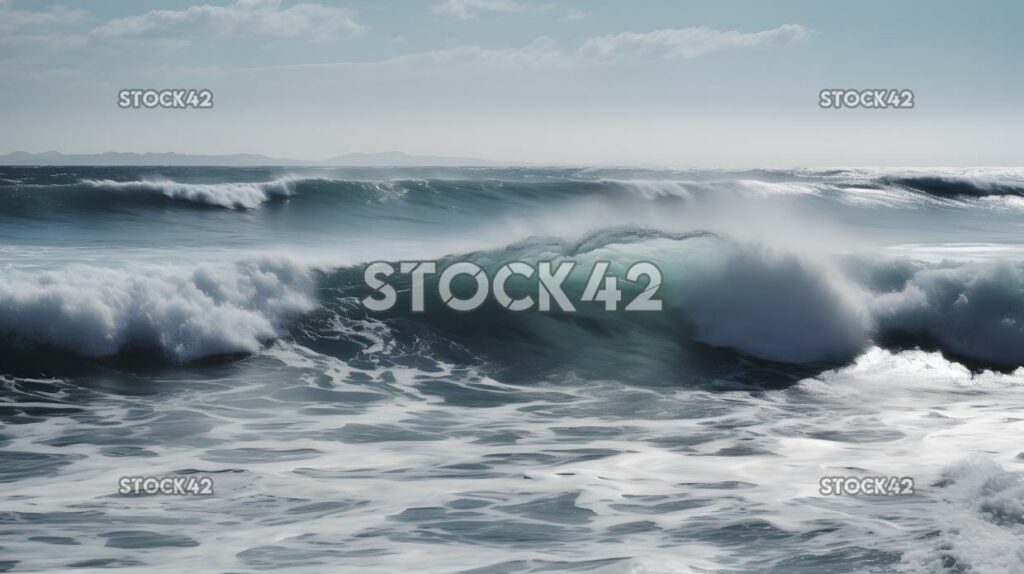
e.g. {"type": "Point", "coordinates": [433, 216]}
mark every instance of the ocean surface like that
{"type": "Point", "coordinates": [168, 321]}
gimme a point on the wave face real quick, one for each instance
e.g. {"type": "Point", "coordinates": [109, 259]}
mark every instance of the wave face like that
{"type": "Point", "coordinates": [815, 323]}
{"type": "Point", "coordinates": [766, 303]}
{"type": "Point", "coordinates": [951, 185]}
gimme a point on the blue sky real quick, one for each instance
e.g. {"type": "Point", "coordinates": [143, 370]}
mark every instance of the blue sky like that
{"type": "Point", "coordinates": [703, 83]}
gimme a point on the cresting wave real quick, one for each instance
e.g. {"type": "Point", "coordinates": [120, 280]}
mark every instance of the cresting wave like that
{"type": "Point", "coordinates": [783, 306]}
{"type": "Point", "coordinates": [946, 185]}
{"type": "Point", "coordinates": [227, 195]}
{"type": "Point", "coordinates": [185, 313]}
{"type": "Point", "coordinates": [761, 302]}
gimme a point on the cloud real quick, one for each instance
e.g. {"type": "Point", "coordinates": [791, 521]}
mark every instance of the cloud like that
{"type": "Point", "coordinates": [13, 19]}
{"type": "Point", "coordinates": [466, 9]}
{"type": "Point", "coordinates": [265, 17]}
{"type": "Point", "coordinates": [662, 44]}
{"type": "Point", "coordinates": [546, 52]}
{"type": "Point", "coordinates": [541, 52]}
{"type": "Point", "coordinates": [685, 42]}
{"type": "Point", "coordinates": [575, 15]}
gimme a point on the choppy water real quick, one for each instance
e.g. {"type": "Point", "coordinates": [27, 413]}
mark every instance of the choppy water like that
{"type": "Point", "coordinates": [205, 321]}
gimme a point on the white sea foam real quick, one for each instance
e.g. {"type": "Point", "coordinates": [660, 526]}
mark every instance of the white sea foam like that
{"type": "Point", "coordinates": [775, 306]}
{"type": "Point", "coordinates": [186, 312]}
{"type": "Point", "coordinates": [957, 439]}
{"type": "Point", "coordinates": [228, 195]}
{"type": "Point", "coordinates": [980, 514]}
{"type": "Point", "coordinates": [781, 306]}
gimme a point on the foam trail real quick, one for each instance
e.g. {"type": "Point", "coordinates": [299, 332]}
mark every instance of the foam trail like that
{"type": "Point", "coordinates": [981, 517]}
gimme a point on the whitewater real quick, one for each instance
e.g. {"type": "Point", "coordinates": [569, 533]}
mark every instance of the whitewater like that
{"type": "Point", "coordinates": [206, 321]}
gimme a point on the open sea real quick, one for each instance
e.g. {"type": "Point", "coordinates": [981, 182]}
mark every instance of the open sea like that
{"type": "Point", "coordinates": [206, 322]}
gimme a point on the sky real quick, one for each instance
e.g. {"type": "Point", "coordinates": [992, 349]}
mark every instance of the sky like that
{"type": "Point", "coordinates": [722, 83]}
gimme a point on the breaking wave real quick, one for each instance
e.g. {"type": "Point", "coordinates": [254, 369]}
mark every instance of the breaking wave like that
{"type": "Point", "coordinates": [757, 301]}
{"type": "Point", "coordinates": [227, 195]}
{"type": "Point", "coordinates": [781, 306]}
{"type": "Point", "coordinates": [185, 313]}
{"type": "Point", "coordinates": [133, 325]}
{"type": "Point", "coordinates": [957, 186]}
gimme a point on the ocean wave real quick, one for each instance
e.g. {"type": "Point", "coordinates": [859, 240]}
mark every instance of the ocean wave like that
{"type": "Point", "coordinates": [957, 186]}
{"type": "Point", "coordinates": [630, 192]}
{"type": "Point", "coordinates": [775, 305]}
{"type": "Point", "coordinates": [185, 313]}
{"type": "Point", "coordinates": [686, 189]}
{"type": "Point", "coordinates": [793, 309]}
{"type": "Point", "coordinates": [227, 195]}
{"type": "Point", "coordinates": [892, 188]}
{"type": "Point", "coordinates": [766, 303]}
{"type": "Point", "coordinates": [783, 307]}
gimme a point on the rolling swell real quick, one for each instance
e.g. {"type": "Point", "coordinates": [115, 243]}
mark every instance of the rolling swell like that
{"type": "Point", "coordinates": [112, 190]}
{"type": "Point", "coordinates": [90, 195]}
{"type": "Point", "coordinates": [99, 196]}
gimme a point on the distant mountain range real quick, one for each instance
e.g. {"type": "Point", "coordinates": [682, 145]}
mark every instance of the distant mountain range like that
{"type": "Point", "coordinates": [383, 159]}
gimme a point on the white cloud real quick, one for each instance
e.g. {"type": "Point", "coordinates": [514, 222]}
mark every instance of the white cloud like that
{"type": "Point", "coordinates": [546, 52]}
{"type": "Point", "coordinates": [575, 15]}
{"type": "Point", "coordinates": [685, 42]}
{"type": "Point", "coordinates": [13, 19]}
{"type": "Point", "coordinates": [265, 17]}
{"type": "Point", "coordinates": [466, 9]}
{"type": "Point", "coordinates": [664, 44]}
{"type": "Point", "coordinates": [541, 52]}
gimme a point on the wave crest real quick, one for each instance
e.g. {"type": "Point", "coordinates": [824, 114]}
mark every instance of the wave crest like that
{"type": "Point", "coordinates": [185, 313]}
{"type": "Point", "coordinates": [957, 186]}
{"type": "Point", "coordinates": [227, 195]}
